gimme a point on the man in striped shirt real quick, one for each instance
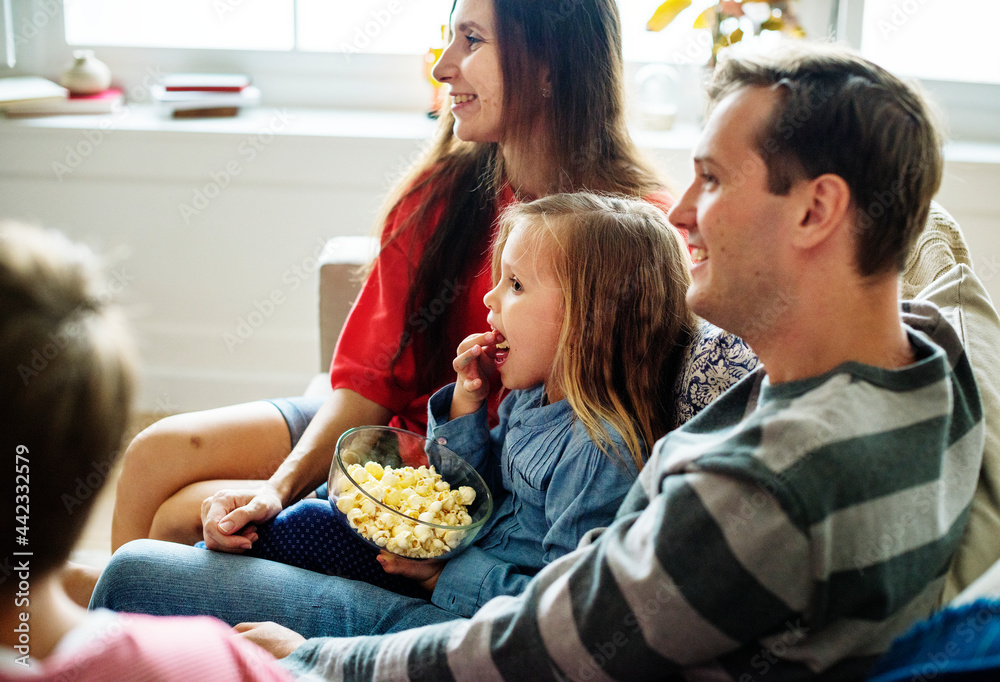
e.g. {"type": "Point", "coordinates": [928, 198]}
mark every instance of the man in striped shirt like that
{"type": "Point", "coordinates": [798, 524]}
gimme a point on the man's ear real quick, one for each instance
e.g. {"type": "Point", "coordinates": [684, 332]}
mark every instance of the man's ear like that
{"type": "Point", "coordinates": [826, 204]}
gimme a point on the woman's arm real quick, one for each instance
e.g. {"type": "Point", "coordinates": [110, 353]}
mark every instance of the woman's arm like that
{"type": "Point", "coordinates": [308, 465]}
{"type": "Point", "coordinates": [230, 516]}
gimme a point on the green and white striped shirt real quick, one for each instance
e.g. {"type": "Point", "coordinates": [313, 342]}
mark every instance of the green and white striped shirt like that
{"type": "Point", "coordinates": [786, 531]}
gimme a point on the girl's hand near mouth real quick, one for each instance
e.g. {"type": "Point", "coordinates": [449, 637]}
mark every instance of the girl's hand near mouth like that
{"type": "Point", "coordinates": [475, 367]}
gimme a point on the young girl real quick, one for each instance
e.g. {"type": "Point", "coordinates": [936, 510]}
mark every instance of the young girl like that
{"type": "Point", "coordinates": [587, 328]}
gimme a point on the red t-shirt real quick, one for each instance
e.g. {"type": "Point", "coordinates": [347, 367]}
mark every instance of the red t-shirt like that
{"type": "Point", "coordinates": [372, 332]}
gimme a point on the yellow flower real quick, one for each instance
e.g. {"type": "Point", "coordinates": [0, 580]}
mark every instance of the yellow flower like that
{"type": "Point", "coordinates": [706, 19]}
{"type": "Point", "coordinates": [666, 13]}
{"type": "Point", "coordinates": [782, 18]}
{"type": "Point", "coordinates": [772, 24]}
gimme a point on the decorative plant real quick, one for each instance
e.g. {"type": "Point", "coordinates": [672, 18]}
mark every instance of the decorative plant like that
{"type": "Point", "coordinates": [731, 20]}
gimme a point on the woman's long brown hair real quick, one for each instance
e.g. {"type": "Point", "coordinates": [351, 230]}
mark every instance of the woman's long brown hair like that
{"type": "Point", "coordinates": [579, 45]}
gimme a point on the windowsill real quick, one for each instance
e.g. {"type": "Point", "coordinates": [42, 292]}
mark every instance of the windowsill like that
{"type": "Point", "coordinates": [359, 124]}
{"type": "Point", "coordinates": [973, 152]}
{"type": "Point", "coordinates": [278, 120]}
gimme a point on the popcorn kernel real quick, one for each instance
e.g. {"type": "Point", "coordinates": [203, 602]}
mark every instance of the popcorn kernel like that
{"type": "Point", "coordinates": [418, 493]}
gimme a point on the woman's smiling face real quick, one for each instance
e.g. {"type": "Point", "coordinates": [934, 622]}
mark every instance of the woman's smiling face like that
{"type": "Point", "coordinates": [527, 309]}
{"type": "Point", "coordinates": [470, 66]}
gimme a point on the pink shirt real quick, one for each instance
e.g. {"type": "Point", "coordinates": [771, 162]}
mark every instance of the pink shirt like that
{"type": "Point", "coordinates": [110, 646]}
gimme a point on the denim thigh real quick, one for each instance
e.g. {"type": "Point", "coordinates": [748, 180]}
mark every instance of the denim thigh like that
{"type": "Point", "coordinates": [164, 578]}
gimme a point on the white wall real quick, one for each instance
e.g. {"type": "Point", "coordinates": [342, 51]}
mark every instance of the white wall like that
{"type": "Point", "coordinates": [189, 276]}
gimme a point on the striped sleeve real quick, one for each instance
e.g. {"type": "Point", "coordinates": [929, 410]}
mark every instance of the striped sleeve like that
{"type": "Point", "coordinates": [657, 592]}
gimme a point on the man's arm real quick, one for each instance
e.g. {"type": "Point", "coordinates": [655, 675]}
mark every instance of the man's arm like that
{"type": "Point", "coordinates": [690, 578]}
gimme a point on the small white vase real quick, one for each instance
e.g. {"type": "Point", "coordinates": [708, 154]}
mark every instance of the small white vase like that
{"type": "Point", "coordinates": [86, 74]}
{"type": "Point", "coordinates": [658, 88]}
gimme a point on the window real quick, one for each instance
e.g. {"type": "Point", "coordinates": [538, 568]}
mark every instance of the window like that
{"type": "Point", "coordinates": [679, 43]}
{"type": "Point", "coordinates": [377, 26]}
{"type": "Point", "coordinates": [247, 25]}
{"type": "Point", "coordinates": [8, 56]}
{"type": "Point", "coordinates": [349, 26]}
{"type": "Point", "coordinates": [386, 26]}
{"type": "Point", "coordinates": [944, 41]}
{"type": "Point", "coordinates": [946, 45]}
{"type": "Point", "coordinates": [369, 53]}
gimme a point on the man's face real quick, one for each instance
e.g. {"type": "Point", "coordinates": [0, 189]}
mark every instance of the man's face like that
{"type": "Point", "coordinates": [738, 231]}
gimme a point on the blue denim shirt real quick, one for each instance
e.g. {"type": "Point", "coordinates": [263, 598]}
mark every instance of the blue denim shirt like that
{"type": "Point", "coordinates": [550, 483]}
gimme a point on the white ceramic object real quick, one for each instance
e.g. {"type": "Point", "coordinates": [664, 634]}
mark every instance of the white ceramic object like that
{"type": "Point", "coordinates": [86, 74]}
{"type": "Point", "coordinates": [658, 89]}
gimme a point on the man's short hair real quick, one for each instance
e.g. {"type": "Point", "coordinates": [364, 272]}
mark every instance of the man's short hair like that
{"type": "Point", "coordinates": [839, 113]}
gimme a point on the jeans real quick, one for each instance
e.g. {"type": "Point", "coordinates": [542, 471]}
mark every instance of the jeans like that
{"type": "Point", "coordinates": [308, 535]}
{"type": "Point", "coordinates": [163, 578]}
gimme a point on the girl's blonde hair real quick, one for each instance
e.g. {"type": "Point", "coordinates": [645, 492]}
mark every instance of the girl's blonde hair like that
{"type": "Point", "coordinates": [623, 270]}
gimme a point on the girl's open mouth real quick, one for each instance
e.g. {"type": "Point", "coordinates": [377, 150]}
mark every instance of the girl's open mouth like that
{"type": "Point", "coordinates": [502, 351]}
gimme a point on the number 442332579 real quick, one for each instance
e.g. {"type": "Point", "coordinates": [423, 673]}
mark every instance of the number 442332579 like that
{"type": "Point", "coordinates": [21, 492]}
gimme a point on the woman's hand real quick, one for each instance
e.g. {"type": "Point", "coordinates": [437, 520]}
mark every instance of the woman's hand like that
{"type": "Point", "coordinates": [475, 368]}
{"type": "Point", "coordinates": [277, 639]}
{"type": "Point", "coordinates": [425, 572]}
{"type": "Point", "coordinates": [229, 517]}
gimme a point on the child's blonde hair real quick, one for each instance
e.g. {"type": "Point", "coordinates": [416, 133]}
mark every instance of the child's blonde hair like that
{"type": "Point", "coordinates": [623, 270]}
{"type": "Point", "coordinates": [66, 379]}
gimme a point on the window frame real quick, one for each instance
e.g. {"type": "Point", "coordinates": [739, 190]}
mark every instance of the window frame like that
{"type": "Point", "coordinates": [334, 80]}
{"type": "Point", "coordinates": [291, 78]}
{"type": "Point", "coordinates": [8, 57]}
{"type": "Point", "coordinates": [970, 109]}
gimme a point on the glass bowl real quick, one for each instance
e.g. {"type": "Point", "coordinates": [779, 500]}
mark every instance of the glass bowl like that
{"type": "Point", "coordinates": [388, 510]}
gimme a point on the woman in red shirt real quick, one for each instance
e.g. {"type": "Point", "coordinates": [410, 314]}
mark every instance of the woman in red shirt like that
{"type": "Point", "coordinates": [536, 107]}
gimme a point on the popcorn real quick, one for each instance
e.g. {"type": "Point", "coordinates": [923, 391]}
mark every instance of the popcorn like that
{"type": "Point", "coordinates": [453, 537]}
{"type": "Point", "coordinates": [374, 469]}
{"type": "Point", "coordinates": [419, 493]}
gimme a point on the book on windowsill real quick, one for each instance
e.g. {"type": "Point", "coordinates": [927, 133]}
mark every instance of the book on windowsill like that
{"type": "Point", "coordinates": [106, 102]}
{"type": "Point", "coordinates": [205, 82]}
{"type": "Point", "coordinates": [24, 89]}
{"type": "Point", "coordinates": [208, 112]}
{"type": "Point", "coordinates": [195, 103]}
